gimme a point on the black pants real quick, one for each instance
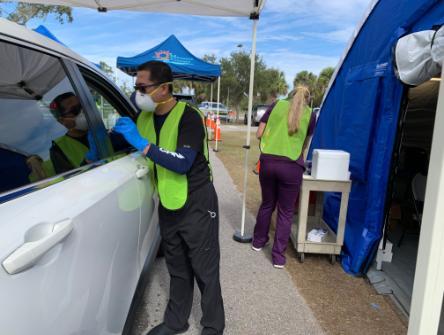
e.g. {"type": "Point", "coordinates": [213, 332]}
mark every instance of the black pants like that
{"type": "Point", "coordinates": [191, 246]}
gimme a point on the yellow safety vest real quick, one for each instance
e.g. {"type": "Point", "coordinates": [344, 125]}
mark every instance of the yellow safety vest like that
{"type": "Point", "coordinates": [276, 140]}
{"type": "Point", "coordinates": [172, 187]}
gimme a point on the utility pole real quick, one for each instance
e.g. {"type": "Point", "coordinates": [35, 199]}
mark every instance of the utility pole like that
{"type": "Point", "coordinates": [228, 97]}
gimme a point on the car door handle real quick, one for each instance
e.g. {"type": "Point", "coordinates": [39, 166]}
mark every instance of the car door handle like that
{"type": "Point", "coordinates": [29, 253]}
{"type": "Point", "coordinates": [141, 172]}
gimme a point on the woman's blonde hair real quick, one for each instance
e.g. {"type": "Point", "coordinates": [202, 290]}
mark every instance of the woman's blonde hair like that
{"type": "Point", "coordinates": [298, 103]}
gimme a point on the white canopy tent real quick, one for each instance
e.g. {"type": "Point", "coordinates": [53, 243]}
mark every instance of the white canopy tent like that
{"type": "Point", "coordinates": [239, 8]}
{"type": "Point", "coordinates": [30, 76]}
{"type": "Point", "coordinates": [192, 7]}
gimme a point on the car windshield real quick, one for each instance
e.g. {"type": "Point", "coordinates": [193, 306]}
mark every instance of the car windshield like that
{"type": "Point", "coordinates": [214, 105]}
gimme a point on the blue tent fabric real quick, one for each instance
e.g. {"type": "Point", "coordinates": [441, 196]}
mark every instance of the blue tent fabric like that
{"type": "Point", "coordinates": [183, 64]}
{"type": "Point", "coordinates": [45, 32]}
{"type": "Point", "coordinates": [360, 115]}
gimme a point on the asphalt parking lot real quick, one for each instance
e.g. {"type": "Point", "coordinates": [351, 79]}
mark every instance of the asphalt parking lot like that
{"type": "Point", "coordinates": [258, 299]}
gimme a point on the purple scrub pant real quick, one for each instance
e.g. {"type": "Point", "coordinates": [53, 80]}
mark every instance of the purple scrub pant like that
{"type": "Point", "coordinates": [280, 183]}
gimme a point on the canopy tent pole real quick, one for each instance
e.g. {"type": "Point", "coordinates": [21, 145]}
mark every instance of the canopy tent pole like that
{"type": "Point", "coordinates": [217, 118]}
{"type": "Point", "coordinates": [242, 236]}
{"type": "Point", "coordinates": [428, 289]}
{"type": "Point", "coordinates": [211, 94]}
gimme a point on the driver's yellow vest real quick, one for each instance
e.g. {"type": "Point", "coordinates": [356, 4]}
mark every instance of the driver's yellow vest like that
{"type": "Point", "coordinates": [172, 186]}
{"type": "Point", "coordinates": [276, 140]}
{"type": "Point", "coordinates": [74, 150]}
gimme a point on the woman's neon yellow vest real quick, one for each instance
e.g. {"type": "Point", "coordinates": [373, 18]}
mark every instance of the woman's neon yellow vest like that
{"type": "Point", "coordinates": [74, 150]}
{"type": "Point", "coordinates": [276, 140]}
{"type": "Point", "coordinates": [172, 187]}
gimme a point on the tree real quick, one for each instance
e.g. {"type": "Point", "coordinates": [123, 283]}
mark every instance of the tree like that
{"type": "Point", "coordinates": [235, 80]}
{"type": "Point", "coordinates": [211, 58]}
{"type": "Point", "coordinates": [306, 78]}
{"type": "Point", "coordinates": [21, 13]}
{"type": "Point", "coordinates": [126, 89]}
{"type": "Point", "coordinates": [316, 84]}
{"type": "Point", "coordinates": [107, 69]}
{"type": "Point", "coordinates": [274, 84]}
{"type": "Point", "coordinates": [322, 84]}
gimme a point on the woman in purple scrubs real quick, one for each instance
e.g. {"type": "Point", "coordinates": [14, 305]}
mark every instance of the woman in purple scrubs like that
{"type": "Point", "coordinates": [283, 132]}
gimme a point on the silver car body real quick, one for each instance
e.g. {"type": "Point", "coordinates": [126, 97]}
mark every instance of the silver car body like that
{"type": "Point", "coordinates": [73, 247]}
{"type": "Point", "coordinates": [259, 113]}
{"type": "Point", "coordinates": [211, 107]}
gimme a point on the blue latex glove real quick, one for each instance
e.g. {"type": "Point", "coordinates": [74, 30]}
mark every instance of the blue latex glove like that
{"type": "Point", "coordinates": [93, 154]}
{"type": "Point", "coordinates": [128, 129]}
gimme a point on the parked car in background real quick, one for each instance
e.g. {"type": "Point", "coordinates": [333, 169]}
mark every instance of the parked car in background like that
{"type": "Point", "coordinates": [256, 114]}
{"type": "Point", "coordinates": [207, 107]}
{"type": "Point", "coordinates": [76, 242]}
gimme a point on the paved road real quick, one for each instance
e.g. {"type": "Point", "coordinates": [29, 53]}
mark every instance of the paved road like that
{"type": "Point", "coordinates": [259, 300]}
{"type": "Point", "coordinates": [236, 127]}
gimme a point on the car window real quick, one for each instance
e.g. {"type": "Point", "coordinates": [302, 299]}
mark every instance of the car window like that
{"type": "Point", "coordinates": [107, 111]}
{"type": "Point", "coordinates": [111, 105]}
{"type": "Point", "coordinates": [43, 128]}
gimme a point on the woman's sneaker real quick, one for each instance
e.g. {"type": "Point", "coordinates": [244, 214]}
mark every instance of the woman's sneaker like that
{"type": "Point", "coordinates": [259, 249]}
{"type": "Point", "coordinates": [277, 266]}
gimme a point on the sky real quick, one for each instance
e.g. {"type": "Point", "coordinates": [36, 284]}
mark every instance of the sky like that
{"type": "Point", "coordinates": [293, 35]}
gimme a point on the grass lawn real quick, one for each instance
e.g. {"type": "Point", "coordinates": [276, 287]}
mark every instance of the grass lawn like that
{"type": "Point", "coordinates": [343, 304]}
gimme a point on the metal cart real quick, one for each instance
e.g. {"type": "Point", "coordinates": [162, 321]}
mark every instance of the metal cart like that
{"type": "Point", "coordinates": [332, 243]}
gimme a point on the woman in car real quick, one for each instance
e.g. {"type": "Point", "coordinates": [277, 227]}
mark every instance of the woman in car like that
{"type": "Point", "coordinates": [283, 131]}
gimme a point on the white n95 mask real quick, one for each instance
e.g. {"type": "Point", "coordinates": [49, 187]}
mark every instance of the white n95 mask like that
{"type": "Point", "coordinates": [81, 122]}
{"type": "Point", "coordinates": [145, 102]}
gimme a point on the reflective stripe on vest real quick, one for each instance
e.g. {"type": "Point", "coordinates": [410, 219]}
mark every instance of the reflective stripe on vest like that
{"type": "Point", "coordinates": [172, 187]}
{"type": "Point", "coordinates": [276, 140]}
{"type": "Point", "coordinates": [74, 150]}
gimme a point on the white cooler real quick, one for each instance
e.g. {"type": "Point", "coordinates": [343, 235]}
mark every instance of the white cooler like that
{"type": "Point", "coordinates": [330, 165]}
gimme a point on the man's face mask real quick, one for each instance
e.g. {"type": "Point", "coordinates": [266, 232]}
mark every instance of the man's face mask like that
{"type": "Point", "coordinates": [145, 101]}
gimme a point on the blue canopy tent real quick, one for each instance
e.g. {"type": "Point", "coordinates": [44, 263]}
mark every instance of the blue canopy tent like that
{"type": "Point", "coordinates": [45, 32]}
{"type": "Point", "coordinates": [182, 62]}
{"type": "Point", "coordinates": [360, 115]}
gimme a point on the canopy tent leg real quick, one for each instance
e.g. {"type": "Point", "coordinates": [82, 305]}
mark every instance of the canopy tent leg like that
{"type": "Point", "coordinates": [428, 287]}
{"type": "Point", "coordinates": [216, 139]}
{"type": "Point", "coordinates": [242, 236]}
{"type": "Point", "coordinates": [211, 94]}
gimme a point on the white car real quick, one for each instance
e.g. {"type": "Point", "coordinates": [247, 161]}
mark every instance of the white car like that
{"type": "Point", "coordinates": [256, 114]}
{"type": "Point", "coordinates": [76, 242]}
{"type": "Point", "coordinates": [207, 107]}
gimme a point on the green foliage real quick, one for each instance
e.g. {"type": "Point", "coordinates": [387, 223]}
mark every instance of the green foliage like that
{"type": "Point", "coordinates": [307, 79]}
{"type": "Point", "coordinates": [107, 69]}
{"type": "Point", "coordinates": [21, 13]}
{"type": "Point", "coordinates": [235, 81]}
{"type": "Point", "coordinates": [126, 89]}
{"type": "Point", "coordinates": [316, 84]}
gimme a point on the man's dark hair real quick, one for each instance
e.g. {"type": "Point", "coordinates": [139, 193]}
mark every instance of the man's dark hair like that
{"type": "Point", "coordinates": [56, 104]}
{"type": "Point", "coordinates": [160, 72]}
